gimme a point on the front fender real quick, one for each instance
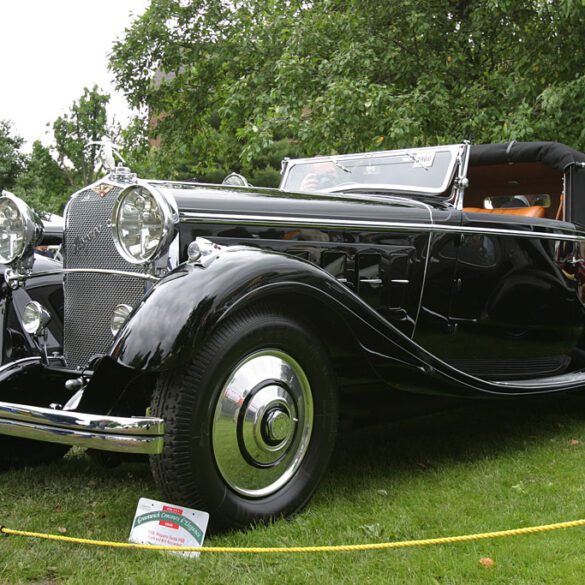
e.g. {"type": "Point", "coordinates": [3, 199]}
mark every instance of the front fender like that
{"type": "Point", "coordinates": [175, 318]}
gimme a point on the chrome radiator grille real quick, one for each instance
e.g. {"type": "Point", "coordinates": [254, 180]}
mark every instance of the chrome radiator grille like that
{"type": "Point", "coordinates": [90, 298]}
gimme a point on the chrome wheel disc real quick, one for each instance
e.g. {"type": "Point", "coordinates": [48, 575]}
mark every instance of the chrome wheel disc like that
{"type": "Point", "coordinates": [262, 423]}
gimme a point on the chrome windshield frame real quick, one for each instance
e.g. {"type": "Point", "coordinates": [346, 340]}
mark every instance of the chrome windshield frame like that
{"type": "Point", "coordinates": [338, 161]}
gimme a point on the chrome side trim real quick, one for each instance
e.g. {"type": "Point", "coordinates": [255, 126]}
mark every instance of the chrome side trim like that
{"type": "Point", "coordinates": [426, 265]}
{"type": "Point", "coordinates": [572, 379]}
{"type": "Point", "coordinates": [424, 283]}
{"type": "Point", "coordinates": [287, 221]}
{"type": "Point", "coordinates": [109, 433]}
{"type": "Point", "coordinates": [17, 277]}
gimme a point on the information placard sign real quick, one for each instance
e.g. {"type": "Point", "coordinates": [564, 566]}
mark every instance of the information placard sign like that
{"type": "Point", "coordinates": [168, 525]}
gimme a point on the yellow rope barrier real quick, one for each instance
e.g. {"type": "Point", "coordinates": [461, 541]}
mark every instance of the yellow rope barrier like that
{"type": "Point", "coordinates": [304, 549]}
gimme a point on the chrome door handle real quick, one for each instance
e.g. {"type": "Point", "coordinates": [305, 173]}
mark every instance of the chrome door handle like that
{"type": "Point", "coordinates": [371, 280]}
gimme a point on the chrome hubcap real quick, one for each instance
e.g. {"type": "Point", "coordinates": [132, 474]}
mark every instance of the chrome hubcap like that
{"type": "Point", "coordinates": [278, 426]}
{"type": "Point", "coordinates": [262, 423]}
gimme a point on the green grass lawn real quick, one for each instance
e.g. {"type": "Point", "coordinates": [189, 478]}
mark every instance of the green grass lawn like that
{"type": "Point", "coordinates": [480, 468]}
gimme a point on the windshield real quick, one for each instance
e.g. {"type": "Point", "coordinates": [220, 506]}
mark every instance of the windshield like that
{"type": "Point", "coordinates": [421, 170]}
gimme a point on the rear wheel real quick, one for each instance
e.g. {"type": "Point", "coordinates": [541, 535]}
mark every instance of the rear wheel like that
{"type": "Point", "coordinates": [250, 423]}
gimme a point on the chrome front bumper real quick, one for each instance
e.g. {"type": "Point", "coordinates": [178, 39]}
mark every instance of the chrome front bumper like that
{"type": "Point", "coordinates": [93, 431]}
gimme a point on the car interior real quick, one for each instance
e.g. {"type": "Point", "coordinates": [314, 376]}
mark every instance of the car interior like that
{"type": "Point", "coordinates": [527, 189]}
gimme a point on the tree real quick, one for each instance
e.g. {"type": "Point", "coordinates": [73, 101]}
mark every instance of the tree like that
{"type": "Point", "coordinates": [11, 159]}
{"type": "Point", "coordinates": [192, 56]}
{"type": "Point", "coordinates": [85, 122]}
{"type": "Point", "coordinates": [240, 77]}
{"type": "Point", "coordinates": [43, 183]}
{"type": "Point", "coordinates": [46, 181]}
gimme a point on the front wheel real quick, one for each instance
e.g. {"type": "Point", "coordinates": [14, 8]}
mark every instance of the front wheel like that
{"type": "Point", "coordinates": [250, 423]}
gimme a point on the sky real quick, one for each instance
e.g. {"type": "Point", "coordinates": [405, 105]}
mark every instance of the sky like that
{"type": "Point", "coordinates": [50, 50]}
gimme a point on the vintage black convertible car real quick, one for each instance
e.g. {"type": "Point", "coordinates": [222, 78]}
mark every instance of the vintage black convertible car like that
{"type": "Point", "coordinates": [221, 329]}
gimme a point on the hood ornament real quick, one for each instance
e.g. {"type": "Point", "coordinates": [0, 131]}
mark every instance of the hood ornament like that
{"type": "Point", "coordinates": [107, 153]}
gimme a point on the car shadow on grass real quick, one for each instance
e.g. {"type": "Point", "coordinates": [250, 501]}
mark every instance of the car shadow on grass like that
{"type": "Point", "coordinates": [459, 432]}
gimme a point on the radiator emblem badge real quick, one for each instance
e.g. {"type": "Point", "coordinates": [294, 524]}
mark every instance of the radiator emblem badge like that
{"type": "Point", "coordinates": [102, 189]}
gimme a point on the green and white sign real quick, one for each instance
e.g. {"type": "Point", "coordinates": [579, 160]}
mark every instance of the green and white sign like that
{"type": "Point", "coordinates": [168, 525]}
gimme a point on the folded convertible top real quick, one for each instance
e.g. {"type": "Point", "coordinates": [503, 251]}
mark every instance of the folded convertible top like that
{"type": "Point", "coordinates": [553, 154]}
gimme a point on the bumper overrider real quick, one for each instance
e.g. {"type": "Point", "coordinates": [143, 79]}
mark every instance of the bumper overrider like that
{"type": "Point", "coordinates": [138, 435]}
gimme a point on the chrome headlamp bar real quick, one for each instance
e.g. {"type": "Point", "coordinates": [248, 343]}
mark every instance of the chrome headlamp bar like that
{"type": "Point", "coordinates": [21, 230]}
{"type": "Point", "coordinates": [143, 223]}
{"type": "Point", "coordinates": [14, 277]}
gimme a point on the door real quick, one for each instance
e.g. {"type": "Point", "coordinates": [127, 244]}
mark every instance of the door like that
{"type": "Point", "coordinates": [517, 310]}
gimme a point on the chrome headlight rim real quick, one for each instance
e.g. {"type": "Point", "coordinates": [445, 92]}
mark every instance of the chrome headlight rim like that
{"type": "Point", "coordinates": [119, 317]}
{"type": "Point", "coordinates": [35, 318]}
{"type": "Point", "coordinates": [32, 228]}
{"type": "Point", "coordinates": [170, 217]}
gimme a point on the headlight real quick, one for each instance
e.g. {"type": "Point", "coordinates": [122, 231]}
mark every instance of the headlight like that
{"type": "Point", "coordinates": [121, 313]}
{"type": "Point", "coordinates": [35, 318]}
{"type": "Point", "coordinates": [20, 228]}
{"type": "Point", "coordinates": [143, 224]}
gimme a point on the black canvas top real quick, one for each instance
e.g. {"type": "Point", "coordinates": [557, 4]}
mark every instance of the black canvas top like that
{"type": "Point", "coordinates": [552, 154]}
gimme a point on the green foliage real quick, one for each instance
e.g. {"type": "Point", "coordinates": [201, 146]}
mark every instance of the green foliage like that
{"type": "Point", "coordinates": [235, 79]}
{"type": "Point", "coordinates": [47, 177]}
{"type": "Point", "coordinates": [44, 184]}
{"type": "Point", "coordinates": [85, 122]}
{"type": "Point", "coordinates": [11, 159]}
{"type": "Point", "coordinates": [266, 177]}
{"type": "Point", "coordinates": [239, 85]}
{"type": "Point", "coordinates": [133, 140]}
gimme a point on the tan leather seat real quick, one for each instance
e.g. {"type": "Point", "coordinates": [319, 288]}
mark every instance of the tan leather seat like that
{"type": "Point", "coordinates": [534, 211]}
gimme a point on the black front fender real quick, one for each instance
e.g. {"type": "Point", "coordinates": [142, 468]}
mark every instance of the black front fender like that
{"type": "Point", "coordinates": [179, 313]}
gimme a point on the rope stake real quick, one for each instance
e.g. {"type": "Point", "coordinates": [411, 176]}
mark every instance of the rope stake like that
{"type": "Point", "coordinates": [303, 549]}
